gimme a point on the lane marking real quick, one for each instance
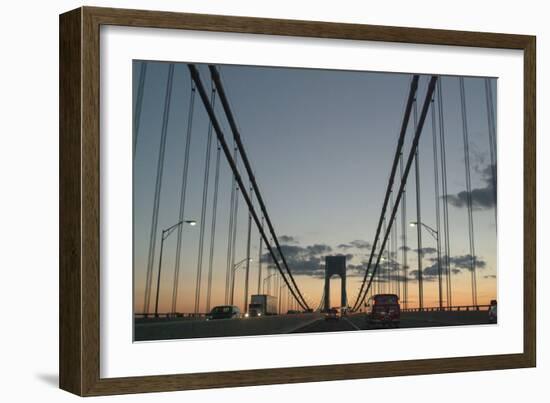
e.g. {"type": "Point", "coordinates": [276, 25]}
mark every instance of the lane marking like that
{"type": "Point", "coordinates": [303, 325]}
{"type": "Point", "coordinates": [355, 327]}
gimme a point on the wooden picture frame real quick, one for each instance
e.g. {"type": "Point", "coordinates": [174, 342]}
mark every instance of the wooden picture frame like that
{"type": "Point", "coordinates": [79, 201]}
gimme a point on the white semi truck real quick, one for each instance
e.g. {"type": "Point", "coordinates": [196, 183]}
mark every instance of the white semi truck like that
{"type": "Point", "coordinates": [262, 305]}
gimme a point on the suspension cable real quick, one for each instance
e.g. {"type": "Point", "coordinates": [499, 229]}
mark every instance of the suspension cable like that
{"type": "Point", "coordinates": [237, 137]}
{"type": "Point", "coordinates": [404, 124]}
{"type": "Point", "coordinates": [492, 141]}
{"type": "Point", "coordinates": [139, 103]}
{"type": "Point", "coordinates": [445, 193]}
{"type": "Point", "coordinates": [404, 234]}
{"type": "Point", "coordinates": [420, 252]}
{"type": "Point", "coordinates": [436, 201]}
{"type": "Point", "coordinates": [158, 185]}
{"type": "Point", "coordinates": [196, 77]}
{"type": "Point", "coordinates": [234, 242]}
{"type": "Point", "coordinates": [247, 276]}
{"type": "Point", "coordinates": [468, 191]}
{"type": "Point", "coordinates": [183, 194]}
{"type": "Point", "coordinates": [203, 207]}
{"type": "Point", "coordinates": [213, 228]}
{"type": "Point", "coordinates": [260, 262]}
{"type": "Point", "coordinates": [412, 153]}
{"type": "Point", "coordinates": [230, 235]}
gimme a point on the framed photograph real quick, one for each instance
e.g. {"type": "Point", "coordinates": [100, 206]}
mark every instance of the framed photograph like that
{"type": "Point", "coordinates": [249, 201]}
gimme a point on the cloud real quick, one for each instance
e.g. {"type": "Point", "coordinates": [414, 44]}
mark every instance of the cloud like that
{"type": "Point", "coordinates": [465, 261]}
{"type": "Point", "coordinates": [482, 198]}
{"type": "Point", "coordinates": [303, 260]}
{"type": "Point", "coordinates": [356, 244]}
{"type": "Point", "coordinates": [318, 249]}
{"type": "Point", "coordinates": [457, 263]}
{"type": "Point", "coordinates": [392, 265]}
{"type": "Point", "coordinates": [426, 251]}
{"type": "Point", "coordinates": [287, 239]}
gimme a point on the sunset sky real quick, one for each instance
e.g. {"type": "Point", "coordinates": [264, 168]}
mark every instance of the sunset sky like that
{"type": "Point", "coordinates": [321, 144]}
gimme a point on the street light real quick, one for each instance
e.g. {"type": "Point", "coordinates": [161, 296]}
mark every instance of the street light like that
{"type": "Point", "coordinates": [435, 234]}
{"type": "Point", "coordinates": [233, 270]}
{"type": "Point", "coordinates": [165, 234]}
{"type": "Point", "coordinates": [430, 230]}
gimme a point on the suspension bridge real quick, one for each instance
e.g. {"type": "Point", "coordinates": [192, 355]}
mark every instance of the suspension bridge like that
{"type": "Point", "coordinates": [387, 269]}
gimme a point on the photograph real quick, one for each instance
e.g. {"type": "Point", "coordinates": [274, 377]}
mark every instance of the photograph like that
{"type": "Point", "coordinates": [277, 200]}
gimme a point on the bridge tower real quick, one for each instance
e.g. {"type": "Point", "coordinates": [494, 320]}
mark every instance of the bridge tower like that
{"type": "Point", "coordinates": [335, 265]}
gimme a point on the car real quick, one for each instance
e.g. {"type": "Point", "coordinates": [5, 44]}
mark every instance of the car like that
{"type": "Point", "coordinates": [332, 314]}
{"type": "Point", "coordinates": [224, 312]}
{"type": "Point", "coordinates": [492, 313]}
{"type": "Point", "coordinates": [383, 309]}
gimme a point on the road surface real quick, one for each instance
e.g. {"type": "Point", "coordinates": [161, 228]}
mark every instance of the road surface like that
{"type": "Point", "coordinates": [178, 328]}
{"type": "Point", "coordinates": [408, 320]}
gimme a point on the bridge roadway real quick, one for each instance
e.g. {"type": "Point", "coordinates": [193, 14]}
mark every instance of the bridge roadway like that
{"type": "Point", "coordinates": [408, 320]}
{"type": "Point", "coordinates": [181, 328]}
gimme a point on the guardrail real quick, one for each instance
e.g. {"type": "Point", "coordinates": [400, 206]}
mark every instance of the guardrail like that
{"type": "Point", "coordinates": [171, 315]}
{"type": "Point", "coordinates": [449, 308]}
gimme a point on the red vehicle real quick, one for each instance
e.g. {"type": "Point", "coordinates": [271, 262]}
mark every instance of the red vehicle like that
{"type": "Point", "coordinates": [383, 309]}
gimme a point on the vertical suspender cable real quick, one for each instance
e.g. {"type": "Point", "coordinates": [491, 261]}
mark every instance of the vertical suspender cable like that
{"type": "Point", "coordinates": [230, 235]}
{"type": "Point", "coordinates": [221, 138]}
{"type": "Point", "coordinates": [418, 217]}
{"type": "Point", "coordinates": [183, 193]}
{"type": "Point", "coordinates": [390, 249]}
{"type": "Point", "coordinates": [437, 210]}
{"type": "Point", "coordinates": [395, 265]}
{"type": "Point", "coordinates": [237, 137]}
{"type": "Point", "coordinates": [234, 242]}
{"type": "Point", "coordinates": [158, 185]}
{"type": "Point", "coordinates": [404, 234]}
{"type": "Point", "coordinates": [410, 158]}
{"type": "Point", "coordinates": [139, 103]}
{"type": "Point", "coordinates": [203, 208]}
{"type": "Point", "coordinates": [213, 228]}
{"type": "Point", "coordinates": [406, 118]}
{"type": "Point", "coordinates": [443, 158]}
{"type": "Point", "coordinates": [492, 140]}
{"type": "Point", "coordinates": [260, 262]}
{"type": "Point", "coordinates": [383, 252]}
{"type": "Point", "coordinates": [247, 275]}
{"type": "Point", "coordinates": [468, 191]}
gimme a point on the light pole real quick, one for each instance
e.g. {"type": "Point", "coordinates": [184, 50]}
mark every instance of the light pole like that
{"type": "Point", "coordinates": [165, 234]}
{"type": "Point", "coordinates": [235, 267]}
{"type": "Point", "coordinates": [435, 235]}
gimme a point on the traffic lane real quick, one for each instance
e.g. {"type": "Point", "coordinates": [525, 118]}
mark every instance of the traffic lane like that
{"type": "Point", "coordinates": [178, 328]}
{"type": "Point", "coordinates": [330, 325]}
{"type": "Point", "coordinates": [428, 319]}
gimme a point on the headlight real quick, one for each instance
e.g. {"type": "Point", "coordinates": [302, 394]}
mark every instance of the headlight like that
{"type": "Point", "coordinates": [259, 314]}
{"type": "Point", "coordinates": [246, 315]}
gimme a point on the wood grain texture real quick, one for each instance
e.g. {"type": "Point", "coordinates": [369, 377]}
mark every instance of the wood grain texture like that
{"type": "Point", "coordinates": [70, 271]}
{"type": "Point", "coordinates": [80, 195]}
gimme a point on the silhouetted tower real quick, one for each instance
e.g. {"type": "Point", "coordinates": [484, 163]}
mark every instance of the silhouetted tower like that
{"type": "Point", "coordinates": [335, 265]}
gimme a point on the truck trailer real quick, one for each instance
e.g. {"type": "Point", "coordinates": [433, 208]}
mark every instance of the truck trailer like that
{"type": "Point", "coordinates": [262, 305]}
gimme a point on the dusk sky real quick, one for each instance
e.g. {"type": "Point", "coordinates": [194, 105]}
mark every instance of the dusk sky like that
{"type": "Point", "coordinates": [321, 144]}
